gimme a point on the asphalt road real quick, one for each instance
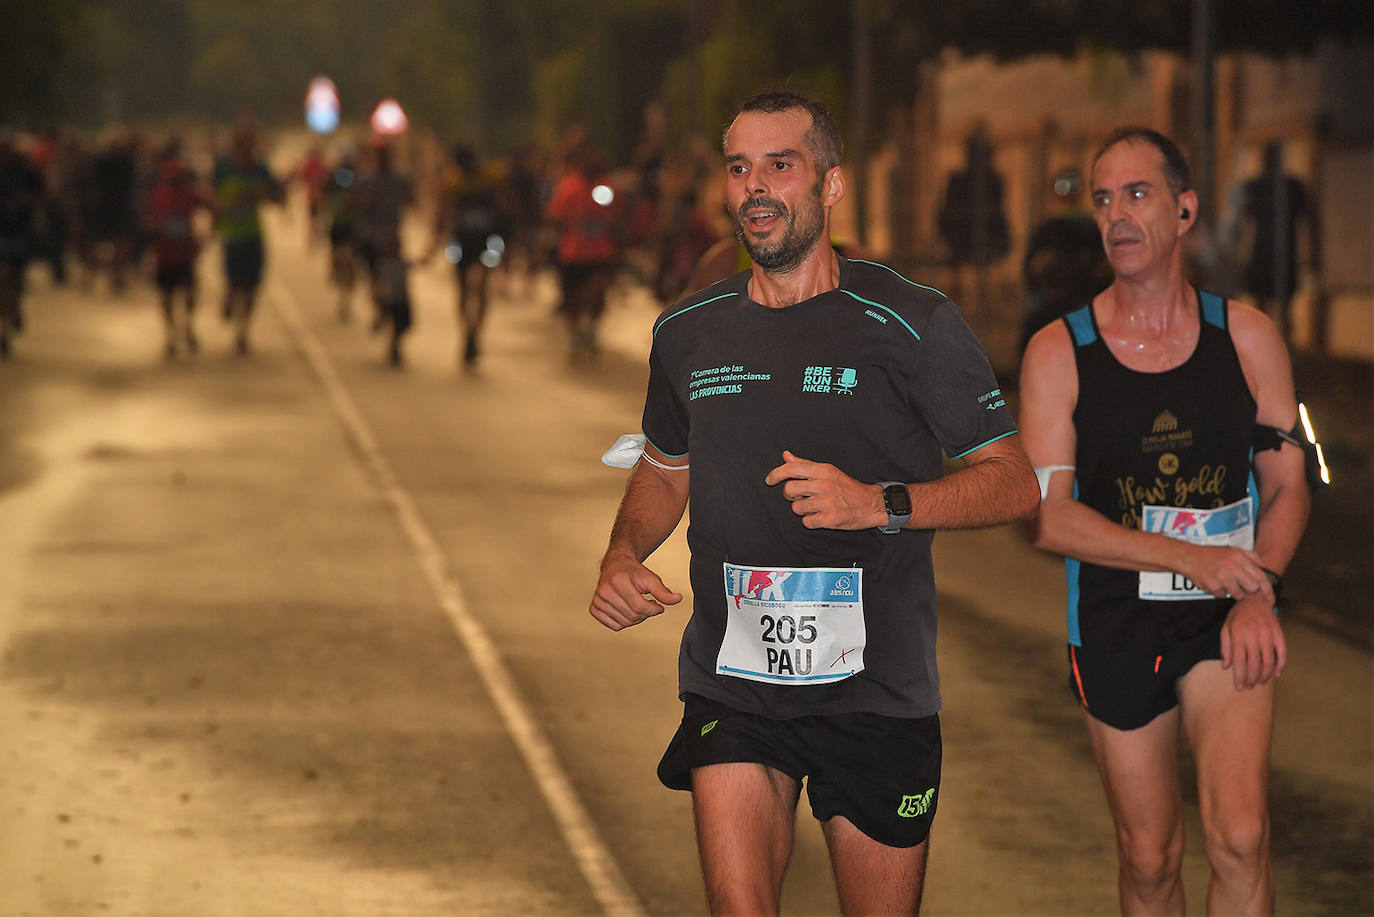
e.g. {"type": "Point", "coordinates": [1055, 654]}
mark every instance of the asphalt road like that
{"type": "Point", "coordinates": [302, 634]}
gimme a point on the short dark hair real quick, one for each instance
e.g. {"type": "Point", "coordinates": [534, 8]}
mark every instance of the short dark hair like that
{"type": "Point", "coordinates": [822, 139]}
{"type": "Point", "coordinates": [1175, 163]}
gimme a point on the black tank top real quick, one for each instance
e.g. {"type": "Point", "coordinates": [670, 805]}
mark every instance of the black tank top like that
{"type": "Point", "coordinates": [1175, 438]}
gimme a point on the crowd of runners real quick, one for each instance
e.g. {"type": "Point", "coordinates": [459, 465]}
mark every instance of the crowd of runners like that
{"type": "Point", "coordinates": [127, 209]}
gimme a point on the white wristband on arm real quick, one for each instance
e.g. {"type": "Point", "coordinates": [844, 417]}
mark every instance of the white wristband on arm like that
{"type": "Point", "coordinates": [1043, 473]}
{"type": "Point", "coordinates": [629, 449]}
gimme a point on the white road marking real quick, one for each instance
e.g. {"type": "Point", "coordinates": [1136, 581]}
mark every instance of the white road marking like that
{"type": "Point", "coordinates": [593, 857]}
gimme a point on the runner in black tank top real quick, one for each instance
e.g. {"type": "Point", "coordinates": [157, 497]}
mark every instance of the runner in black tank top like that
{"type": "Point", "coordinates": [1175, 438]}
{"type": "Point", "coordinates": [1136, 465]}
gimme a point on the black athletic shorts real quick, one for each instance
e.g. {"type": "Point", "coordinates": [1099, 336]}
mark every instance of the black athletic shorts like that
{"type": "Point", "coordinates": [243, 260]}
{"type": "Point", "coordinates": [880, 772]}
{"type": "Point", "coordinates": [470, 250]}
{"type": "Point", "coordinates": [174, 276]}
{"type": "Point", "coordinates": [1129, 688]}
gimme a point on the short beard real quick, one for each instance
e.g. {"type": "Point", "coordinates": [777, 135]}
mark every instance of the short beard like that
{"type": "Point", "coordinates": [787, 254]}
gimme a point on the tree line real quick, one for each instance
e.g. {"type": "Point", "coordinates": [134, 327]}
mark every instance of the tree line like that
{"type": "Point", "coordinates": [504, 74]}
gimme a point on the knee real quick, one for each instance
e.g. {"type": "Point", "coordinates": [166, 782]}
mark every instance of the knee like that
{"type": "Point", "coordinates": [1240, 841]}
{"type": "Point", "coordinates": [1151, 862]}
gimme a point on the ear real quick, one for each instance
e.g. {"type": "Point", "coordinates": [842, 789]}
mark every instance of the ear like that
{"type": "Point", "coordinates": [832, 192]}
{"type": "Point", "coordinates": [1187, 211]}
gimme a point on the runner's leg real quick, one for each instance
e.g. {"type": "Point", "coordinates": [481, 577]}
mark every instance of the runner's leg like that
{"type": "Point", "coordinates": [9, 303]}
{"type": "Point", "coordinates": [169, 319]}
{"type": "Point", "coordinates": [1139, 769]}
{"type": "Point", "coordinates": [243, 318]}
{"type": "Point", "coordinates": [476, 313]}
{"type": "Point", "coordinates": [744, 816]}
{"type": "Point", "coordinates": [1230, 733]}
{"type": "Point", "coordinates": [873, 878]}
{"type": "Point", "coordinates": [192, 343]}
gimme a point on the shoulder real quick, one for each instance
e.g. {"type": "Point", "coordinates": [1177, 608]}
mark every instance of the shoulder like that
{"type": "Point", "coordinates": [1048, 358]}
{"type": "Point", "coordinates": [1264, 360]}
{"type": "Point", "coordinates": [1254, 334]}
{"type": "Point", "coordinates": [878, 285]}
{"type": "Point", "coordinates": [704, 302]}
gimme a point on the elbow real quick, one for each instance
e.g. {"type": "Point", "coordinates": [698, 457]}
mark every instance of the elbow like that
{"type": "Point", "coordinates": [1040, 527]}
{"type": "Point", "coordinates": [1037, 533]}
{"type": "Point", "coordinates": [1024, 501]}
{"type": "Point", "coordinates": [1031, 528]}
{"type": "Point", "coordinates": [1030, 498]}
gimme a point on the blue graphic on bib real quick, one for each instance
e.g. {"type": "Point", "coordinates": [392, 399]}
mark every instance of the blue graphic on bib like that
{"type": "Point", "coordinates": [1196, 524]}
{"type": "Point", "coordinates": [818, 587]}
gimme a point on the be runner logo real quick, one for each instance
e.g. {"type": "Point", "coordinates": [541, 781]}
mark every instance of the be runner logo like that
{"type": "Point", "coordinates": [830, 380]}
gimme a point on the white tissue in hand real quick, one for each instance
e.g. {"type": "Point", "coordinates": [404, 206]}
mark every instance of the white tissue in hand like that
{"type": "Point", "coordinates": [626, 451]}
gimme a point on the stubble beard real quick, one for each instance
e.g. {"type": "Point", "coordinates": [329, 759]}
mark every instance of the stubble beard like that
{"type": "Point", "coordinates": [800, 231]}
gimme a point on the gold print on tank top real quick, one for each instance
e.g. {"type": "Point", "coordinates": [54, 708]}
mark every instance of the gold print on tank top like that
{"type": "Point", "coordinates": [1208, 482]}
{"type": "Point", "coordinates": [1165, 435]}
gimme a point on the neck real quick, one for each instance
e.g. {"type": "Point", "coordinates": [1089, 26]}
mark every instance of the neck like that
{"type": "Point", "coordinates": [819, 273]}
{"type": "Point", "coordinates": [1152, 303]}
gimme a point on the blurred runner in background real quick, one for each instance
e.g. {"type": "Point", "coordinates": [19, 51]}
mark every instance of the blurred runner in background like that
{"type": "Point", "coordinates": [586, 211]}
{"type": "Point", "coordinates": [381, 196]}
{"type": "Point", "coordinates": [110, 211]}
{"type": "Point", "coordinates": [21, 194]}
{"type": "Point", "coordinates": [340, 197]}
{"type": "Point", "coordinates": [1267, 213]}
{"type": "Point", "coordinates": [310, 174]}
{"type": "Point", "coordinates": [1065, 264]}
{"type": "Point", "coordinates": [242, 184]}
{"type": "Point", "coordinates": [472, 231]}
{"type": "Point", "coordinates": [170, 222]}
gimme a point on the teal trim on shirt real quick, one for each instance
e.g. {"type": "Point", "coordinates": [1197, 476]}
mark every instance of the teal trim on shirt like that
{"type": "Point", "coordinates": [878, 305]}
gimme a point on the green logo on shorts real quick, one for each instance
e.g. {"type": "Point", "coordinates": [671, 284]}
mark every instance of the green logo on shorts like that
{"type": "Point", "coordinates": [913, 806]}
{"type": "Point", "coordinates": [709, 726]}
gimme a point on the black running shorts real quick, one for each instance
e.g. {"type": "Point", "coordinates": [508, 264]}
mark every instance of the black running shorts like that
{"type": "Point", "coordinates": [1129, 688]}
{"type": "Point", "coordinates": [243, 259]}
{"type": "Point", "coordinates": [174, 276]}
{"type": "Point", "coordinates": [882, 773]}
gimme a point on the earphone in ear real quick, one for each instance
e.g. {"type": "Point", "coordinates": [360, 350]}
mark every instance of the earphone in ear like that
{"type": "Point", "coordinates": [1185, 214]}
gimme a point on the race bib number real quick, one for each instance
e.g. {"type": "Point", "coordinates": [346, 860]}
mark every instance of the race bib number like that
{"type": "Point", "coordinates": [793, 625]}
{"type": "Point", "coordinates": [1232, 525]}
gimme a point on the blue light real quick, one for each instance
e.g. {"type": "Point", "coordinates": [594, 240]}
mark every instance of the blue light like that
{"type": "Point", "coordinates": [322, 119]}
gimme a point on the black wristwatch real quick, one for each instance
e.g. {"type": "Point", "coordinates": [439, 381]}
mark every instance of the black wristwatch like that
{"type": "Point", "coordinates": [1275, 583]}
{"type": "Point", "coordinates": [898, 503]}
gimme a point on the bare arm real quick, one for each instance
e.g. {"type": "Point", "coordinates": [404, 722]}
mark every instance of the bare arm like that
{"type": "Point", "coordinates": [995, 485]}
{"type": "Point", "coordinates": [627, 592]}
{"type": "Point", "coordinates": [1252, 641]}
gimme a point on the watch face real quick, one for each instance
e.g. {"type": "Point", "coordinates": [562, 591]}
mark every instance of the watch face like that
{"type": "Point", "coordinates": [897, 499]}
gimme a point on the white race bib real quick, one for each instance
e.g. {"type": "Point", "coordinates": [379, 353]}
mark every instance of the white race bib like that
{"type": "Point", "coordinates": [793, 625]}
{"type": "Point", "coordinates": [1232, 525]}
